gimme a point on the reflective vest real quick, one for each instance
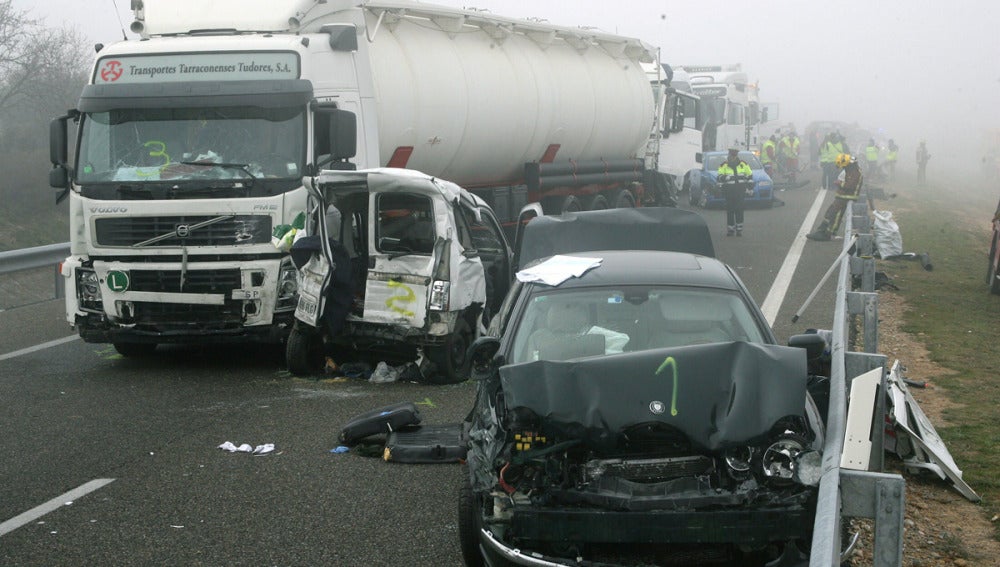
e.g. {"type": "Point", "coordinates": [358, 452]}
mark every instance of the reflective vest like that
{"type": "Point", "coordinates": [871, 153]}
{"type": "Point", "coordinates": [790, 146]}
{"type": "Point", "coordinates": [893, 155]}
{"type": "Point", "coordinates": [765, 155]}
{"type": "Point", "coordinates": [830, 151]}
{"type": "Point", "coordinates": [742, 174]}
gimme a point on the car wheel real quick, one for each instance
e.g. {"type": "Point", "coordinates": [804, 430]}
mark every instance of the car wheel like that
{"type": "Point", "coordinates": [450, 358]}
{"type": "Point", "coordinates": [470, 523]}
{"type": "Point", "coordinates": [135, 349]}
{"type": "Point", "coordinates": [304, 351]}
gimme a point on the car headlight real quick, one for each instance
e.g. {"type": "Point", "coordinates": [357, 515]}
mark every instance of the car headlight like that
{"type": "Point", "coordinates": [739, 461]}
{"type": "Point", "coordinates": [764, 184]}
{"type": "Point", "coordinates": [779, 461]}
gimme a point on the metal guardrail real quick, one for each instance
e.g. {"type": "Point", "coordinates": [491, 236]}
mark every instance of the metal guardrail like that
{"type": "Point", "coordinates": [37, 257]}
{"type": "Point", "coordinates": [847, 493]}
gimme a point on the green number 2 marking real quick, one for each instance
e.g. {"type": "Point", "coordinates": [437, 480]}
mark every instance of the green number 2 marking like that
{"type": "Point", "coordinates": [669, 361]}
{"type": "Point", "coordinates": [407, 297]}
{"type": "Point", "coordinates": [159, 151]}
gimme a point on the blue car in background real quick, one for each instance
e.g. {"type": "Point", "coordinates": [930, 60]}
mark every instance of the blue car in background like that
{"type": "Point", "coordinates": [705, 189]}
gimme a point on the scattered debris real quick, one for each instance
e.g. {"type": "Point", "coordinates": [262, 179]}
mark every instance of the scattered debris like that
{"type": "Point", "coordinates": [340, 449]}
{"type": "Point", "coordinates": [915, 440]}
{"type": "Point", "coordinates": [380, 421]}
{"type": "Point", "coordinates": [426, 444]}
{"type": "Point", "coordinates": [247, 448]}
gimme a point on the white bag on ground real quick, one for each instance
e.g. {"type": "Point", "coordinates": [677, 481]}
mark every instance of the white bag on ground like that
{"type": "Point", "coordinates": [887, 238]}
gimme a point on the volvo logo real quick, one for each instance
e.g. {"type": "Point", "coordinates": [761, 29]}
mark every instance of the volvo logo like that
{"type": "Point", "coordinates": [182, 231]}
{"type": "Point", "coordinates": [657, 407]}
{"type": "Point", "coordinates": [105, 210]}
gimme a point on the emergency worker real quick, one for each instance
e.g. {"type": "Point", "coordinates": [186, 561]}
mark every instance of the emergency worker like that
{"type": "Point", "coordinates": [848, 188]}
{"type": "Point", "coordinates": [736, 179]}
{"type": "Point", "coordinates": [790, 154]}
{"type": "Point", "coordinates": [871, 156]}
{"type": "Point", "coordinates": [891, 156]}
{"type": "Point", "coordinates": [768, 153]}
{"type": "Point", "coordinates": [831, 148]}
{"type": "Point", "coordinates": [922, 158]}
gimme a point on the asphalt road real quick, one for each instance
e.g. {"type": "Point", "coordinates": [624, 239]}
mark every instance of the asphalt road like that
{"type": "Point", "coordinates": [74, 412]}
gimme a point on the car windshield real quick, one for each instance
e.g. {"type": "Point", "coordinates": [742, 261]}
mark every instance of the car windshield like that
{"type": "Point", "coordinates": [145, 144]}
{"type": "Point", "coordinates": [575, 323]}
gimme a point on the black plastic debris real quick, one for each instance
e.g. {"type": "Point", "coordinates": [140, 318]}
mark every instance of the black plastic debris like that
{"type": "Point", "coordinates": [425, 445]}
{"type": "Point", "coordinates": [381, 421]}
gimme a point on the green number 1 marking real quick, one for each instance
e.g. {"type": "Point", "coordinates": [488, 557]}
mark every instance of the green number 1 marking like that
{"type": "Point", "coordinates": [669, 361]}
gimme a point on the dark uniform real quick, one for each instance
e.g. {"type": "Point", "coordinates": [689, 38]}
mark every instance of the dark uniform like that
{"type": "Point", "coordinates": [736, 179]}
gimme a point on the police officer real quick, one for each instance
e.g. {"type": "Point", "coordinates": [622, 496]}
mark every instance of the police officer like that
{"type": "Point", "coordinates": [848, 188]}
{"type": "Point", "coordinates": [736, 179]}
{"type": "Point", "coordinates": [831, 148]}
{"type": "Point", "coordinates": [768, 154]}
{"type": "Point", "coordinates": [891, 156]}
{"type": "Point", "coordinates": [871, 157]}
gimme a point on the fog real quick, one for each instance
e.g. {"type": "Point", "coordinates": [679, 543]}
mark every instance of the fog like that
{"type": "Point", "coordinates": [915, 69]}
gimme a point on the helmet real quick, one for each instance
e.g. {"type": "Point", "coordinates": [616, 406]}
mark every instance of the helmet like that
{"type": "Point", "coordinates": [843, 160]}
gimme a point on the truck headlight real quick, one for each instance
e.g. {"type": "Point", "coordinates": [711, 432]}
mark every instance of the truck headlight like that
{"type": "Point", "coordinates": [440, 295]}
{"type": "Point", "coordinates": [288, 287]}
{"type": "Point", "coordinates": [88, 288]}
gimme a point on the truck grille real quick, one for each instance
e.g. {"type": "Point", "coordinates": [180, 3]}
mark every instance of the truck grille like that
{"type": "Point", "coordinates": [241, 229]}
{"type": "Point", "coordinates": [195, 281]}
{"type": "Point", "coordinates": [176, 316]}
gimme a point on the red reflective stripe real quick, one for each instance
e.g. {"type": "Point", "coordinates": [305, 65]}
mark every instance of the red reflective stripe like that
{"type": "Point", "coordinates": [400, 157]}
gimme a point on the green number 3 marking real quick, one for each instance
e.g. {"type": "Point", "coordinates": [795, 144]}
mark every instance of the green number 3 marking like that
{"type": "Point", "coordinates": [408, 297]}
{"type": "Point", "coordinates": [159, 151]}
{"type": "Point", "coordinates": [669, 361]}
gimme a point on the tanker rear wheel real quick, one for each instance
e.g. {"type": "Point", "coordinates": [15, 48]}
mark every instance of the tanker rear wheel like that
{"type": "Point", "coordinates": [596, 202]}
{"type": "Point", "coordinates": [561, 204]}
{"type": "Point", "coordinates": [623, 199]}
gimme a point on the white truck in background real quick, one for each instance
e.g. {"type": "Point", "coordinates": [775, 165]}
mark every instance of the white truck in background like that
{"type": "Point", "coordinates": [679, 127]}
{"type": "Point", "coordinates": [730, 110]}
{"type": "Point", "coordinates": [194, 143]}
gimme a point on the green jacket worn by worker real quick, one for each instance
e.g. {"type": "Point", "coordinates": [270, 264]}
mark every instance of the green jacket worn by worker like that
{"type": "Point", "coordinates": [871, 153]}
{"type": "Point", "coordinates": [892, 154]}
{"type": "Point", "coordinates": [790, 146]}
{"type": "Point", "coordinates": [830, 151]}
{"type": "Point", "coordinates": [765, 155]}
{"type": "Point", "coordinates": [727, 176]}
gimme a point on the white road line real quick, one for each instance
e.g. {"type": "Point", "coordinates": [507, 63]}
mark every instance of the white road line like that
{"type": "Point", "coordinates": [54, 504]}
{"type": "Point", "coordinates": [776, 295]}
{"type": "Point", "coordinates": [37, 348]}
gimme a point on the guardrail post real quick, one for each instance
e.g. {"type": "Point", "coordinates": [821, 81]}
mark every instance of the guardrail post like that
{"type": "Point", "coordinates": [883, 498]}
{"type": "Point", "coordinates": [861, 222]}
{"type": "Point", "coordinates": [864, 303]}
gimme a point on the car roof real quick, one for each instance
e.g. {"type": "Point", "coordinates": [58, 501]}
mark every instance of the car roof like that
{"type": "Point", "coordinates": [650, 267]}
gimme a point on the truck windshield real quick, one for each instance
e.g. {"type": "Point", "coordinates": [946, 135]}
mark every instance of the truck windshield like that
{"type": "Point", "coordinates": [148, 145]}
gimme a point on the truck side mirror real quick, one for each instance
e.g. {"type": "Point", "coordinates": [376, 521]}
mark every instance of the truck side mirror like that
{"type": "Point", "coordinates": [58, 140]}
{"type": "Point", "coordinates": [699, 157]}
{"type": "Point", "coordinates": [59, 177]}
{"type": "Point", "coordinates": [343, 134]}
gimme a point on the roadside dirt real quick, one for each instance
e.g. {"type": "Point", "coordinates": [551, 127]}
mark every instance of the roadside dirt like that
{"type": "Point", "coordinates": [942, 528]}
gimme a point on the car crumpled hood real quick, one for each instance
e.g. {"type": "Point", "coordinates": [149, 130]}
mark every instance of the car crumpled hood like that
{"type": "Point", "coordinates": [718, 395]}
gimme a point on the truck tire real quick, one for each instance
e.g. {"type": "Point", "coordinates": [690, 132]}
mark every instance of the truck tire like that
{"type": "Point", "coordinates": [623, 199]}
{"type": "Point", "coordinates": [304, 351]}
{"type": "Point", "coordinates": [470, 522]}
{"type": "Point", "coordinates": [450, 358]}
{"type": "Point", "coordinates": [597, 202]}
{"type": "Point", "coordinates": [135, 349]}
{"type": "Point", "coordinates": [559, 205]}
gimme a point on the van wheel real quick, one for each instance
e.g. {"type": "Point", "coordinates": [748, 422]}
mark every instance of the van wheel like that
{"type": "Point", "coordinates": [470, 523]}
{"type": "Point", "coordinates": [450, 358]}
{"type": "Point", "coordinates": [304, 351]}
{"type": "Point", "coordinates": [135, 349]}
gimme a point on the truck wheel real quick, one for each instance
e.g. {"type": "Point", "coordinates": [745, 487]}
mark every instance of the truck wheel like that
{"type": "Point", "coordinates": [450, 358]}
{"type": "Point", "coordinates": [559, 205]}
{"type": "Point", "coordinates": [304, 352]}
{"type": "Point", "coordinates": [597, 202]}
{"type": "Point", "coordinates": [470, 522]}
{"type": "Point", "coordinates": [135, 349]}
{"type": "Point", "coordinates": [623, 199]}
{"type": "Point", "coordinates": [686, 184]}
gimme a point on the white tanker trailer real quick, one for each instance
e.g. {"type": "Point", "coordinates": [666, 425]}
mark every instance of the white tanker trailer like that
{"type": "Point", "coordinates": [198, 140]}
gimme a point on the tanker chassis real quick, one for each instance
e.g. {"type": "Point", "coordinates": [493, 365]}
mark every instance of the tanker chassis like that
{"type": "Point", "coordinates": [197, 143]}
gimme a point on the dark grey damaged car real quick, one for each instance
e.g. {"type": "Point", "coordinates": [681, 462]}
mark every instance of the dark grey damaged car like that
{"type": "Point", "coordinates": [641, 414]}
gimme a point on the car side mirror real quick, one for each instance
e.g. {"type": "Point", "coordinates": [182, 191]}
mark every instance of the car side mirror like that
{"type": "Point", "coordinates": [483, 358]}
{"type": "Point", "coordinates": [813, 343]}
